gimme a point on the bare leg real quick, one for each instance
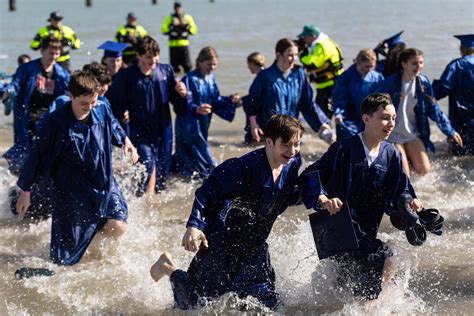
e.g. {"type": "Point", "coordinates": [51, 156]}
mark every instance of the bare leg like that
{"type": "Point", "coordinates": [418, 156]}
{"type": "Point", "coordinates": [388, 272]}
{"type": "Point", "coordinates": [150, 188]}
{"type": "Point", "coordinates": [164, 266]}
{"type": "Point", "coordinates": [113, 228]}
{"type": "Point", "coordinates": [406, 166]}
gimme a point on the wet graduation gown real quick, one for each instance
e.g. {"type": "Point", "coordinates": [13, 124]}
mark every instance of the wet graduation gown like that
{"type": "Point", "coordinates": [147, 100]}
{"type": "Point", "coordinates": [236, 208]}
{"type": "Point", "coordinates": [457, 81]}
{"type": "Point", "coordinates": [192, 150]}
{"type": "Point", "coordinates": [424, 108]}
{"type": "Point", "coordinates": [272, 93]}
{"type": "Point", "coordinates": [24, 84]}
{"type": "Point", "coordinates": [348, 93]}
{"type": "Point", "coordinates": [343, 172]}
{"type": "Point", "coordinates": [78, 158]}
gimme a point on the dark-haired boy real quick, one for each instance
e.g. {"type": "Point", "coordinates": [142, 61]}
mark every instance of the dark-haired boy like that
{"type": "Point", "coordinates": [36, 84]}
{"type": "Point", "coordinates": [364, 171]}
{"type": "Point", "coordinates": [232, 216]}
{"type": "Point", "coordinates": [74, 147]}
{"type": "Point", "coordinates": [140, 97]}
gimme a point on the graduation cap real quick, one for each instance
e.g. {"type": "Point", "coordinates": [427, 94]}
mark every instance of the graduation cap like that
{"type": "Point", "coordinates": [394, 40]}
{"type": "Point", "coordinates": [467, 40]}
{"type": "Point", "coordinates": [113, 49]}
{"type": "Point", "coordinates": [333, 234]}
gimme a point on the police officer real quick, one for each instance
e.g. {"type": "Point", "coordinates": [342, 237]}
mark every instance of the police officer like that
{"type": "Point", "coordinates": [129, 34]}
{"type": "Point", "coordinates": [323, 63]}
{"type": "Point", "coordinates": [179, 26]}
{"type": "Point", "coordinates": [62, 32]}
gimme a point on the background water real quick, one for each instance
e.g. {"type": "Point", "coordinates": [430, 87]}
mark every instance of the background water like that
{"type": "Point", "coordinates": [435, 278]}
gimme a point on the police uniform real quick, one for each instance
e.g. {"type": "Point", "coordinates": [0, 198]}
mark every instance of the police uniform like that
{"type": "Point", "coordinates": [323, 63]}
{"type": "Point", "coordinates": [129, 34]}
{"type": "Point", "coordinates": [179, 28]}
{"type": "Point", "coordinates": [64, 33]}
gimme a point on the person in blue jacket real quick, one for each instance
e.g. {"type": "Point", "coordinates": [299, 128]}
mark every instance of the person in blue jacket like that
{"type": "Point", "coordinates": [74, 147]}
{"type": "Point", "coordinates": [140, 96]}
{"type": "Point", "coordinates": [255, 64]}
{"type": "Point", "coordinates": [283, 88]}
{"type": "Point", "coordinates": [192, 156]}
{"type": "Point", "coordinates": [232, 216]}
{"type": "Point", "coordinates": [36, 85]}
{"type": "Point", "coordinates": [457, 81]}
{"type": "Point", "coordinates": [414, 101]}
{"type": "Point", "coordinates": [366, 173]}
{"type": "Point", "coordinates": [351, 88]}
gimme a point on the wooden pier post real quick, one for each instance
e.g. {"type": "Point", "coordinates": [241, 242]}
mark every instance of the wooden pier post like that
{"type": "Point", "coordinates": [88, 3]}
{"type": "Point", "coordinates": [12, 5]}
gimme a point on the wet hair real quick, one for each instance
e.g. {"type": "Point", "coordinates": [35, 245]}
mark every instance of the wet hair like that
{"type": "Point", "coordinates": [283, 44]}
{"type": "Point", "coordinates": [404, 57]}
{"type": "Point", "coordinates": [50, 41]}
{"type": "Point", "coordinates": [83, 83]}
{"type": "Point", "coordinates": [466, 51]}
{"type": "Point", "coordinates": [282, 126]}
{"type": "Point", "coordinates": [207, 53]}
{"type": "Point", "coordinates": [365, 55]}
{"type": "Point", "coordinates": [373, 102]}
{"type": "Point", "coordinates": [257, 59]}
{"type": "Point", "coordinates": [391, 62]}
{"type": "Point", "coordinates": [23, 59]}
{"type": "Point", "coordinates": [100, 72]}
{"type": "Point", "coordinates": [147, 45]}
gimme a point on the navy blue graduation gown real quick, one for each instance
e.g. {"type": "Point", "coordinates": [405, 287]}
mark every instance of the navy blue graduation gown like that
{"type": "Point", "coordinates": [78, 158]}
{"type": "Point", "coordinates": [457, 81]}
{"type": "Point", "coordinates": [343, 172]}
{"type": "Point", "coordinates": [147, 99]}
{"type": "Point", "coordinates": [236, 208]}
{"type": "Point", "coordinates": [192, 149]}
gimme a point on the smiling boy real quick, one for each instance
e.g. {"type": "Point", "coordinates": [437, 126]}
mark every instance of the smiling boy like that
{"type": "Point", "coordinates": [364, 171]}
{"type": "Point", "coordinates": [232, 216]}
{"type": "Point", "coordinates": [74, 148]}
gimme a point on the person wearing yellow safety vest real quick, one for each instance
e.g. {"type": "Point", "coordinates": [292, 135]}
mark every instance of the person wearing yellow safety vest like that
{"type": "Point", "coordinates": [129, 34]}
{"type": "Point", "coordinates": [179, 26]}
{"type": "Point", "coordinates": [323, 64]}
{"type": "Point", "coordinates": [62, 32]}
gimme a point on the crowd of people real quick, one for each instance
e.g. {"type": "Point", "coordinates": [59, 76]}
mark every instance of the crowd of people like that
{"type": "Point", "coordinates": [66, 123]}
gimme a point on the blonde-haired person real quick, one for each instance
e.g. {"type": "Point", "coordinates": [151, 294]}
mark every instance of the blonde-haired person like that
{"type": "Point", "coordinates": [192, 154]}
{"type": "Point", "coordinates": [357, 82]}
{"type": "Point", "coordinates": [414, 101]}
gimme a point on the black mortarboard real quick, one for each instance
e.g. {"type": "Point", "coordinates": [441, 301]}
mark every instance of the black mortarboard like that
{"type": "Point", "coordinates": [467, 40]}
{"type": "Point", "coordinates": [333, 234]}
{"type": "Point", "coordinates": [394, 40]}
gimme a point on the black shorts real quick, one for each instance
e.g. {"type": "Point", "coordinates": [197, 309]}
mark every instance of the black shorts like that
{"type": "Point", "coordinates": [179, 56]}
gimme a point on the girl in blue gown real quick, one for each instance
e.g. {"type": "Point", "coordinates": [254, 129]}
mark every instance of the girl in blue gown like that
{"type": "Point", "coordinates": [414, 102]}
{"type": "Point", "coordinates": [192, 149]}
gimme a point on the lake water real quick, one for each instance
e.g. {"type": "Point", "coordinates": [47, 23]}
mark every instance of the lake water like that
{"type": "Point", "coordinates": [435, 278]}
